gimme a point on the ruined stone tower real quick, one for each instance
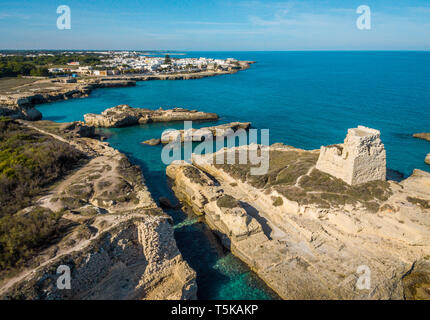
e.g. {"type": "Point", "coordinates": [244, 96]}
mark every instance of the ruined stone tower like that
{"type": "Point", "coordinates": [360, 159]}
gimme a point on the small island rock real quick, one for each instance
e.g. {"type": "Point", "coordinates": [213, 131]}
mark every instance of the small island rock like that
{"type": "Point", "coordinates": [423, 135]}
{"type": "Point", "coordinates": [152, 142]}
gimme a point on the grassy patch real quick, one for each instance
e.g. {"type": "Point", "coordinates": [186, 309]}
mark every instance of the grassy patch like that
{"type": "Point", "coordinates": [193, 174]}
{"type": "Point", "coordinates": [227, 201]}
{"type": "Point", "coordinates": [319, 188]}
{"type": "Point", "coordinates": [277, 201]}
{"type": "Point", "coordinates": [29, 161]}
{"type": "Point", "coordinates": [419, 202]}
{"type": "Point", "coordinates": [23, 234]}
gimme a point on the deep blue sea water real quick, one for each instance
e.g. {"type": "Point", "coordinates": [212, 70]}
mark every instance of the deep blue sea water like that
{"type": "Point", "coordinates": [306, 99]}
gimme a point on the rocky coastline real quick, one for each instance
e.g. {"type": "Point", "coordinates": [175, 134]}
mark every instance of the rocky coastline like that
{"type": "Point", "coordinates": [206, 133]}
{"type": "Point", "coordinates": [423, 135]}
{"type": "Point", "coordinates": [118, 243]}
{"type": "Point", "coordinates": [124, 115]}
{"type": "Point", "coordinates": [305, 233]}
{"type": "Point", "coordinates": [19, 103]}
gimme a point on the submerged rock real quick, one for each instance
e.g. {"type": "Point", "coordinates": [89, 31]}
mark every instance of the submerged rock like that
{"type": "Point", "coordinates": [165, 203]}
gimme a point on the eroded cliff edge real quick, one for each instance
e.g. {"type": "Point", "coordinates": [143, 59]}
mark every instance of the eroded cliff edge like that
{"type": "Point", "coordinates": [306, 233]}
{"type": "Point", "coordinates": [108, 230]}
{"type": "Point", "coordinates": [19, 102]}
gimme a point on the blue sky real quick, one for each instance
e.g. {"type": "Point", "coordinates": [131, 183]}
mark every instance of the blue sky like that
{"type": "Point", "coordinates": [216, 25]}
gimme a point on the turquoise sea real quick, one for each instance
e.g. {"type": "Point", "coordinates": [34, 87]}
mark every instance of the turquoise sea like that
{"type": "Point", "coordinates": [306, 99]}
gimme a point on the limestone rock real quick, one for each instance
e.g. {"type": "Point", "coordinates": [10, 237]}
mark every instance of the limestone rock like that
{"type": "Point", "coordinates": [423, 135]}
{"type": "Point", "coordinates": [427, 160]}
{"type": "Point", "coordinates": [312, 249]}
{"type": "Point", "coordinates": [135, 259]}
{"type": "Point", "coordinates": [78, 128]}
{"type": "Point", "coordinates": [206, 133]}
{"type": "Point", "coordinates": [152, 142]}
{"type": "Point", "coordinates": [118, 244]}
{"type": "Point", "coordinates": [124, 115]}
{"type": "Point", "coordinates": [360, 159]}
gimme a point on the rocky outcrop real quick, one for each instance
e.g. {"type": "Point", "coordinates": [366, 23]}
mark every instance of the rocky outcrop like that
{"type": "Point", "coordinates": [307, 234]}
{"type": "Point", "coordinates": [124, 115]}
{"type": "Point", "coordinates": [135, 259]}
{"type": "Point", "coordinates": [118, 245]}
{"type": "Point", "coordinates": [31, 114]}
{"type": "Point", "coordinates": [206, 133]}
{"type": "Point", "coordinates": [19, 103]}
{"type": "Point", "coordinates": [45, 91]}
{"type": "Point", "coordinates": [152, 142]}
{"type": "Point", "coordinates": [427, 159]}
{"type": "Point", "coordinates": [424, 136]}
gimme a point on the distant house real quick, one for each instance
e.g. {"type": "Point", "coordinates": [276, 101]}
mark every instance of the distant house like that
{"type": "Point", "coordinates": [100, 72]}
{"type": "Point", "coordinates": [104, 73]}
{"type": "Point", "coordinates": [84, 70]}
{"type": "Point", "coordinates": [73, 63]}
{"type": "Point", "coordinates": [211, 66]}
{"type": "Point", "coordinates": [55, 70]}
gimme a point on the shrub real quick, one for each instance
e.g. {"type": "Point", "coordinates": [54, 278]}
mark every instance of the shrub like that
{"type": "Point", "coordinates": [227, 201]}
{"type": "Point", "coordinates": [277, 201]}
{"type": "Point", "coordinates": [22, 234]}
{"type": "Point", "coordinates": [29, 161]}
{"type": "Point", "coordinates": [419, 202]}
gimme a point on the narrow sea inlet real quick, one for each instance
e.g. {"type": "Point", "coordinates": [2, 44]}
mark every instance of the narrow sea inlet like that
{"type": "Point", "coordinates": [306, 99]}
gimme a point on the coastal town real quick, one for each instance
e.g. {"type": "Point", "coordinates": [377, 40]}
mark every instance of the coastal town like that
{"type": "Point", "coordinates": [122, 62]}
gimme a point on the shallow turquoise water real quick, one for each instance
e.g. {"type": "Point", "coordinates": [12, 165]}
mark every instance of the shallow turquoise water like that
{"type": "Point", "coordinates": [306, 99]}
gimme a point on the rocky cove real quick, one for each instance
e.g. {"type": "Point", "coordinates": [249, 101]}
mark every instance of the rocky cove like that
{"type": "Point", "coordinates": [306, 233]}
{"type": "Point", "coordinates": [117, 242]}
{"type": "Point", "coordinates": [19, 102]}
{"type": "Point", "coordinates": [120, 244]}
{"type": "Point", "coordinates": [349, 275]}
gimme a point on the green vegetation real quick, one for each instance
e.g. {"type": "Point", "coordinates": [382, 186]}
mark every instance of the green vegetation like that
{"type": "Point", "coordinates": [20, 65]}
{"type": "Point", "coordinates": [227, 201]}
{"type": "Point", "coordinates": [28, 162]}
{"type": "Point", "coordinates": [167, 59]}
{"type": "Point", "coordinates": [193, 174]}
{"type": "Point", "coordinates": [313, 187]}
{"type": "Point", "coordinates": [277, 201]}
{"type": "Point", "coordinates": [419, 202]}
{"type": "Point", "coordinates": [22, 234]}
{"type": "Point", "coordinates": [416, 284]}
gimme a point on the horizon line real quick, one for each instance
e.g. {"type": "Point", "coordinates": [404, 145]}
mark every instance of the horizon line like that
{"type": "Point", "coordinates": [180, 51]}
